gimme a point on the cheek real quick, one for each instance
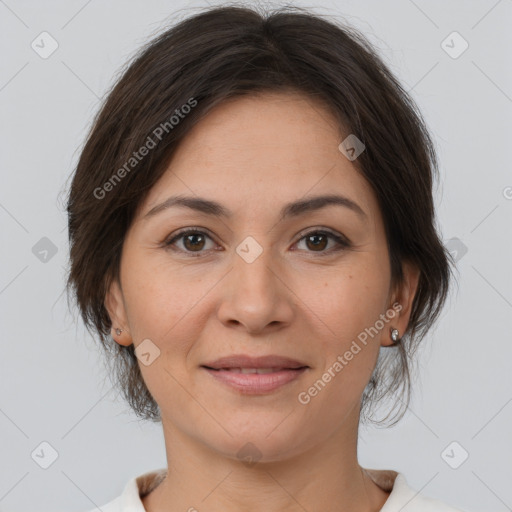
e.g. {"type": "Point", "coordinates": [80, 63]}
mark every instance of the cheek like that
{"type": "Point", "coordinates": [348, 353]}
{"type": "Point", "coordinates": [344, 310]}
{"type": "Point", "coordinates": [160, 297]}
{"type": "Point", "coordinates": [347, 301]}
{"type": "Point", "coordinates": [165, 309]}
{"type": "Point", "coordinates": [170, 307]}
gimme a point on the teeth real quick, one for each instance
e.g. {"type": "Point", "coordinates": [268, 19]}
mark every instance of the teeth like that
{"type": "Point", "coordinates": [253, 370]}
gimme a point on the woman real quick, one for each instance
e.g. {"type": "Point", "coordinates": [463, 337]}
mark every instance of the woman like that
{"type": "Point", "coordinates": [253, 240]}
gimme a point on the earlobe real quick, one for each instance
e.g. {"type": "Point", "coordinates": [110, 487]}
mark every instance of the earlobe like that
{"type": "Point", "coordinates": [114, 303]}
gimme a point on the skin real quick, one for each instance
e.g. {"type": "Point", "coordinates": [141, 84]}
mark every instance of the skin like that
{"type": "Point", "coordinates": [296, 299]}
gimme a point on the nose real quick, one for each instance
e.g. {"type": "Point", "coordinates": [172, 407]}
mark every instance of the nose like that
{"type": "Point", "coordinates": [256, 296]}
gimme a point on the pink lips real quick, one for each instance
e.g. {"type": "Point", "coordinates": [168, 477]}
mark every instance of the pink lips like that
{"type": "Point", "coordinates": [236, 371]}
{"type": "Point", "coordinates": [255, 383]}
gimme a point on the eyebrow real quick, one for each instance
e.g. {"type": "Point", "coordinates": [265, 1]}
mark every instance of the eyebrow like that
{"type": "Point", "coordinates": [293, 209]}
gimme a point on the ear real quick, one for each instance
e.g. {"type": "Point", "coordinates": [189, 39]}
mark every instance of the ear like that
{"type": "Point", "coordinates": [404, 296]}
{"type": "Point", "coordinates": [114, 303]}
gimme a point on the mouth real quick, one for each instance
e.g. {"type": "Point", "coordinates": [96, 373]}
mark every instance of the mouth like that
{"type": "Point", "coordinates": [255, 381]}
{"type": "Point", "coordinates": [247, 362]}
{"type": "Point", "coordinates": [259, 371]}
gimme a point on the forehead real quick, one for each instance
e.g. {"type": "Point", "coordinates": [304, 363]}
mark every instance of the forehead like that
{"type": "Point", "coordinates": [266, 120]}
{"type": "Point", "coordinates": [254, 150]}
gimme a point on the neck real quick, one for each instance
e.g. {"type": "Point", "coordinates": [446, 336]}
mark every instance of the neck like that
{"type": "Point", "coordinates": [325, 477]}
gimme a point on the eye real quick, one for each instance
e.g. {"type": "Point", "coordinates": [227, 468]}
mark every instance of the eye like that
{"type": "Point", "coordinates": [194, 241]}
{"type": "Point", "coordinates": [318, 240]}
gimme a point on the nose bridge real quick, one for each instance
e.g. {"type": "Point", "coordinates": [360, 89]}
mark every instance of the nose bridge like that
{"type": "Point", "coordinates": [255, 295]}
{"type": "Point", "coordinates": [252, 268]}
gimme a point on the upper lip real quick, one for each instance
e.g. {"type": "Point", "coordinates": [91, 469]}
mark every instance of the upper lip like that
{"type": "Point", "coordinates": [246, 361]}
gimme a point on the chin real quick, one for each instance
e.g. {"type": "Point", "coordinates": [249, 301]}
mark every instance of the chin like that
{"type": "Point", "coordinates": [251, 443]}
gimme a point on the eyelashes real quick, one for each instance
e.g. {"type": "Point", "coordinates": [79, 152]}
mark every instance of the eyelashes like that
{"type": "Point", "coordinates": [191, 235]}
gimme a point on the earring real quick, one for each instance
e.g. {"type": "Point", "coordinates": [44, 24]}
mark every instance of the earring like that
{"type": "Point", "coordinates": [394, 336]}
{"type": "Point", "coordinates": [119, 331]}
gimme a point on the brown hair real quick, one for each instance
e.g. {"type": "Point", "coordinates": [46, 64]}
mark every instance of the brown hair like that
{"type": "Point", "coordinates": [229, 51]}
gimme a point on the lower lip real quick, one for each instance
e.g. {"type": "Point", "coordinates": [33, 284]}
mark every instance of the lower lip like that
{"type": "Point", "coordinates": [256, 383]}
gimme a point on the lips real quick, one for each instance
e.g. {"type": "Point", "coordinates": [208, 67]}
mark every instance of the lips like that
{"type": "Point", "coordinates": [255, 375]}
{"type": "Point", "coordinates": [262, 364]}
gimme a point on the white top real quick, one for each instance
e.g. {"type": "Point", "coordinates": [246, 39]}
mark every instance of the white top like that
{"type": "Point", "coordinates": [401, 499]}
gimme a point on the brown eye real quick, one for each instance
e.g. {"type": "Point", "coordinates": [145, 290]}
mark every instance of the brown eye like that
{"type": "Point", "coordinates": [317, 241]}
{"type": "Point", "coordinates": [193, 241]}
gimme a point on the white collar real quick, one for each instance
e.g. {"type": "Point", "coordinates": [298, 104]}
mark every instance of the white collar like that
{"type": "Point", "coordinates": [402, 497]}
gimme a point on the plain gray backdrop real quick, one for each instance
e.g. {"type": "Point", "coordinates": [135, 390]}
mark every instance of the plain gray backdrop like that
{"type": "Point", "coordinates": [54, 388]}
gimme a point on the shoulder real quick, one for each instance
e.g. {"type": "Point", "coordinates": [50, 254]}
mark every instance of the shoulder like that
{"type": "Point", "coordinates": [410, 500]}
{"type": "Point", "coordinates": [130, 498]}
{"type": "Point", "coordinates": [112, 506]}
{"type": "Point", "coordinates": [403, 497]}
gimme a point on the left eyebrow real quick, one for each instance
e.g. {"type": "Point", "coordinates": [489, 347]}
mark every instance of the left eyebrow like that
{"type": "Point", "coordinates": [314, 203]}
{"type": "Point", "coordinates": [293, 209]}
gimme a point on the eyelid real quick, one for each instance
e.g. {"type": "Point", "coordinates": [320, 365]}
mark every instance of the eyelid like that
{"type": "Point", "coordinates": [320, 229]}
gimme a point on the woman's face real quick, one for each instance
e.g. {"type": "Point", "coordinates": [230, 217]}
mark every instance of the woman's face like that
{"type": "Point", "coordinates": [255, 283]}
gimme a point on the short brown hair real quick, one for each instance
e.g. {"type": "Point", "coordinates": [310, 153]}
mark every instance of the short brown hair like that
{"type": "Point", "coordinates": [229, 51]}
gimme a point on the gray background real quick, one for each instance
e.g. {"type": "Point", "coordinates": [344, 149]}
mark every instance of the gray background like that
{"type": "Point", "coordinates": [54, 387]}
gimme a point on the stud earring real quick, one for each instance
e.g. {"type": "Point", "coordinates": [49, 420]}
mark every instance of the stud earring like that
{"type": "Point", "coordinates": [394, 336]}
{"type": "Point", "coordinates": [119, 331]}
